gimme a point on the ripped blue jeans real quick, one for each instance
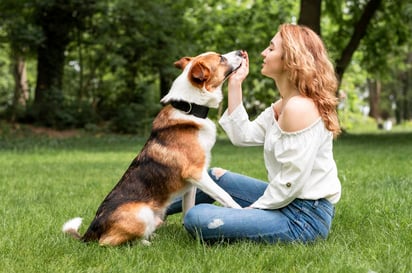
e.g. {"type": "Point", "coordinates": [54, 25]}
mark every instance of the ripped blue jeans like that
{"type": "Point", "coordinates": [301, 221]}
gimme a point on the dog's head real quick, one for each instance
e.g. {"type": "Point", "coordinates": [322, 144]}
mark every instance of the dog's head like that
{"type": "Point", "coordinates": [202, 77]}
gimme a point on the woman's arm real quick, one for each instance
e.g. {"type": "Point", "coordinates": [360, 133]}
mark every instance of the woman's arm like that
{"type": "Point", "coordinates": [235, 84]}
{"type": "Point", "coordinates": [235, 120]}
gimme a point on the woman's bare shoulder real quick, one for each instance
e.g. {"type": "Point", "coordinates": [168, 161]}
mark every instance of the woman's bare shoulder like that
{"type": "Point", "coordinates": [298, 113]}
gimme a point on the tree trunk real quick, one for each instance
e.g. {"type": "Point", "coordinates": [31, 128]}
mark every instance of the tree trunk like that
{"type": "Point", "coordinates": [374, 87]}
{"type": "Point", "coordinates": [310, 14]}
{"type": "Point", "coordinates": [403, 97]}
{"type": "Point", "coordinates": [48, 98]}
{"type": "Point", "coordinates": [57, 18]}
{"type": "Point", "coordinates": [408, 88]}
{"type": "Point", "coordinates": [359, 32]}
{"type": "Point", "coordinates": [56, 23]}
{"type": "Point", "coordinates": [21, 88]}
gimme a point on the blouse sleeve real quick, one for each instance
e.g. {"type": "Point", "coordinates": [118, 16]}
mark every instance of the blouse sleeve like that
{"type": "Point", "coordinates": [243, 132]}
{"type": "Point", "coordinates": [295, 154]}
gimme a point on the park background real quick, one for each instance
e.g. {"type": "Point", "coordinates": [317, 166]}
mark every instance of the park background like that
{"type": "Point", "coordinates": [104, 65]}
{"type": "Point", "coordinates": [76, 73]}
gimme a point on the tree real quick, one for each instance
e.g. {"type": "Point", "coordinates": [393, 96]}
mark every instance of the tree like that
{"type": "Point", "coordinates": [386, 50]}
{"type": "Point", "coordinates": [310, 14]}
{"type": "Point", "coordinates": [23, 38]}
{"type": "Point", "coordinates": [115, 57]}
{"type": "Point", "coordinates": [359, 29]}
{"type": "Point", "coordinates": [367, 27]}
{"type": "Point", "coordinates": [375, 89]}
{"type": "Point", "coordinates": [57, 19]}
{"type": "Point", "coordinates": [146, 39]}
{"type": "Point", "coordinates": [139, 42]}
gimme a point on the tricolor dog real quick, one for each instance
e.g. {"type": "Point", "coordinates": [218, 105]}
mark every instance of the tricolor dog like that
{"type": "Point", "coordinates": [174, 160]}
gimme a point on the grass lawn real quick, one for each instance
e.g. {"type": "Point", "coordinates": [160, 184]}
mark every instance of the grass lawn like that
{"type": "Point", "coordinates": [45, 181]}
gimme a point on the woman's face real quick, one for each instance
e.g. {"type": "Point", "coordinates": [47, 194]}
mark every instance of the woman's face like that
{"type": "Point", "coordinates": [272, 58]}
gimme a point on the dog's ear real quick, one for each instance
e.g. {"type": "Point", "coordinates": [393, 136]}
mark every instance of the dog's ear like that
{"type": "Point", "coordinates": [199, 73]}
{"type": "Point", "coordinates": [181, 64]}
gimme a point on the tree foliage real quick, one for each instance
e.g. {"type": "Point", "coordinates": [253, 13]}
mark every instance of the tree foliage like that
{"type": "Point", "coordinates": [109, 62]}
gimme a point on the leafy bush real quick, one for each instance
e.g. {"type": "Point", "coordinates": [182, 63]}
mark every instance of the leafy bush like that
{"type": "Point", "coordinates": [133, 118]}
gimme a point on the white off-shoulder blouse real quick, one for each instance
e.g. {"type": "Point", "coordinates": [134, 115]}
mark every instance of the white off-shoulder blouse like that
{"type": "Point", "coordinates": [299, 164]}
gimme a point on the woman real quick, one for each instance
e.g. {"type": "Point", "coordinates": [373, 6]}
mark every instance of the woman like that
{"type": "Point", "coordinates": [297, 133]}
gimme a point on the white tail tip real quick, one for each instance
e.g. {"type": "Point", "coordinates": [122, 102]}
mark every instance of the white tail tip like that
{"type": "Point", "coordinates": [72, 224]}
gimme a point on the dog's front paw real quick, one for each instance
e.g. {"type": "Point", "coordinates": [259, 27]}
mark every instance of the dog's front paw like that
{"type": "Point", "coordinates": [146, 242]}
{"type": "Point", "coordinates": [159, 222]}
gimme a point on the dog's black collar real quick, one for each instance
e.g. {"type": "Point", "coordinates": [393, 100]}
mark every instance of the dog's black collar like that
{"type": "Point", "coordinates": [197, 110]}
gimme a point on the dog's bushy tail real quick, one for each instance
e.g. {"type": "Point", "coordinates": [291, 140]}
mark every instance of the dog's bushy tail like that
{"type": "Point", "coordinates": [72, 226]}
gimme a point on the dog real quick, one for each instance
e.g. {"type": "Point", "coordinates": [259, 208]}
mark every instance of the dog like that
{"type": "Point", "coordinates": [173, 161]}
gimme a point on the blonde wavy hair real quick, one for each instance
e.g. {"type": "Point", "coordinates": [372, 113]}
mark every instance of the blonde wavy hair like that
{"type": "Point", "coordinates": [306, 59]}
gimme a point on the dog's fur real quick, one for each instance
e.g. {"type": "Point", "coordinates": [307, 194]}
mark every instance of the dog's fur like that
{"type": "Point", "coordinates": [173, 162]}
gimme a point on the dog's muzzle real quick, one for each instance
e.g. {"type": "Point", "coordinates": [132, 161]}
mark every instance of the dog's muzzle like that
{"type": "Point", "coordinates": [235, 60]}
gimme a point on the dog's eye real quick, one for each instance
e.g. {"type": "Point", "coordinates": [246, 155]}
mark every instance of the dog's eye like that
{"type": "Point", "coordinates": [222, 59]}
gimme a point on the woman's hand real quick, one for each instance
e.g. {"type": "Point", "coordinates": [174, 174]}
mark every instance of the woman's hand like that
{"type": "Point", "coordinates": [241, 73]}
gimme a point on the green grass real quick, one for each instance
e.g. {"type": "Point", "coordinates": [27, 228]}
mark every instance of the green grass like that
{"type": "Point", "coordinates": [45, 181]}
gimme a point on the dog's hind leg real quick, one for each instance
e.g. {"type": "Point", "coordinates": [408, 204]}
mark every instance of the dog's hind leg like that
{"type": "Point", "coordinates": [129, 222]}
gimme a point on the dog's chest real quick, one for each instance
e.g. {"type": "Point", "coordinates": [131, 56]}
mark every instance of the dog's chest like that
{"type": "Point", "coordinates": [207, 135]}
{"type": "Point", "coordinates": [207, 129]}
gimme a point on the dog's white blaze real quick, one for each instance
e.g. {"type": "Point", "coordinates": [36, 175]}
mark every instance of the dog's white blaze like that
{"type": "Point", "coordinates": [72, 224]}
{"type": "Point", "coordinates": [148, 217]}
{"type": "Point", "coordinates": [207, 138]}
{"type": "Point", "coordinates": [182, 89]}
{"type": "Point", "coordinates": [207, 132]}
{"type": "Point", "coordinates": [215, 224]}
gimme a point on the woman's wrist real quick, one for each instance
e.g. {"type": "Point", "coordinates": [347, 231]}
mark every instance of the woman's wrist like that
{"type": "Point", "coordinates": [234, 86]}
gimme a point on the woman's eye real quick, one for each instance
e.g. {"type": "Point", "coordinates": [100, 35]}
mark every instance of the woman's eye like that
{"type": "Point", "coordinates": [222, 59]}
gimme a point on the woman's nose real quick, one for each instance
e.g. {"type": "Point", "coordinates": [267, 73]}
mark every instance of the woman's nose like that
{"type": "Point", "coordinates": [263, 53]}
